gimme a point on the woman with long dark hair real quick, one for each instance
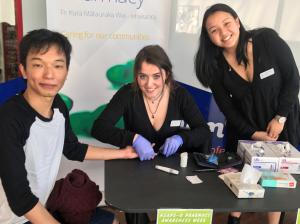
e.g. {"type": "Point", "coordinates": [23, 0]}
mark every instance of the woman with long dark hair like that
{"type": "Point", "coordinates": [254, 80]}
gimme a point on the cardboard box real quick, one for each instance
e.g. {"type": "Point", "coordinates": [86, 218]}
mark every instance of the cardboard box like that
{"type": "Point", "coordinates": [289, 165]}
{"type": "Point", "coordinates": [262, 158]}
{"type": "Point", "coordinates": [289, 157]}
{"type": "Point", "coordinates": [270, 155]}
{"type": "Point", "coordinates": [241, 190]}
{"type": "Point", "coordinates": [277, 179]}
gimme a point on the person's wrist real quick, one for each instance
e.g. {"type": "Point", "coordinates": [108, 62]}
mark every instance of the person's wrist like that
{"type": "Point", "coordinates": [280, 119]}
{"type": "Point", "coordinates": [134, 138]}
{"type": "Point", "coordinates": [253, 136]}
{"type": "Point", "coordinates": [126, 152]}
{"type": "Point", "coordinates": [123, 154]}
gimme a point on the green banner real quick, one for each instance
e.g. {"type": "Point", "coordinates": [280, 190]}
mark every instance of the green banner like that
{"type": "Point", "coordinates": [184, 216]}
{"type": "Point", "coordinates": [298, 217]}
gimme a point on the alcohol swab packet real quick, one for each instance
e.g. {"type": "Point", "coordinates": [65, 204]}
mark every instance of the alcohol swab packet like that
{"type": "Point", "coordinates": [194, 179]}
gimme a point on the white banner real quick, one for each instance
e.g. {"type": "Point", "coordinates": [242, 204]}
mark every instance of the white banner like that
{"type": "Point", "coordinates": [105, 33]}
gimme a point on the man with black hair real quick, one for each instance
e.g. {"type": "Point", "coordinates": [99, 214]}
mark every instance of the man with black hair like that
{"type": "Point", "coordinates": [35, 131]}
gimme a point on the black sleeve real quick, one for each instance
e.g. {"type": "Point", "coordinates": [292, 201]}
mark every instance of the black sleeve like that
{"type": "Point", "coordinates": [73, 149]}
{"type": "Point", "coordinates": [289, 72]}
{"type": "Point", "coordinates": [199, 133]}
{"type": "Point", "coordinates": [225, 104]}
{"type": "Point", "coordinates": [12, 166]}
{"type": "Point", "coordinates": [104, 127]}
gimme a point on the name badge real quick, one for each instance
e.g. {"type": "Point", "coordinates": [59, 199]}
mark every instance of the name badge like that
{"type": "Point", "coordinates": [175, 123]}
{"type": "Point", "coordinates": [267, 73]}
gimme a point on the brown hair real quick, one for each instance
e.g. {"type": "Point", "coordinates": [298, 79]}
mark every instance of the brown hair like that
{"type": "Point", "coordinates": [155, 55]}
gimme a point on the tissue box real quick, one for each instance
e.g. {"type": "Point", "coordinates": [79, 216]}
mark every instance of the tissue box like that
{"type": "Point", "coordinates": [270, 155]}
{"type": "Point", "coordinates": [277, 179]}
{"type": "Point", "coordinates": [241, 190]}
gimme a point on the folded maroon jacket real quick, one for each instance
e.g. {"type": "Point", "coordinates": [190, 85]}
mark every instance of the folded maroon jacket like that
{"type": "Point", "coordinates": [74, 198]}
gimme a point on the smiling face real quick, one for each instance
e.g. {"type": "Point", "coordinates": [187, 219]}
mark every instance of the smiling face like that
{"type": "Point", "coordinates": [223, 30]}
{"type": "Point", "coordinates": [45, 72]}
{"type": "Point", "coordinates": [151, 80]}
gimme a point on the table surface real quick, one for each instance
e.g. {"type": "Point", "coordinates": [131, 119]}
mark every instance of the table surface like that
{"type": "Point", "coordinates": [134, 186]}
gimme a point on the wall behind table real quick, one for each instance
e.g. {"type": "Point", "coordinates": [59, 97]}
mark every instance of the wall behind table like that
{"type": "Point", "coordinates": [34, 15]}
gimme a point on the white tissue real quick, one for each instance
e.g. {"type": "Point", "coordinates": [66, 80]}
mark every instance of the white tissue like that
{"type": "Point", "coordinates": [250, 175]}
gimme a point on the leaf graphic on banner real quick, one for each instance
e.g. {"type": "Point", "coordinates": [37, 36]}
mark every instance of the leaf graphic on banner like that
{"type": "Point", "coordinates": [119, 75]}
{"type": "Point", "coordinates": [82, 121]}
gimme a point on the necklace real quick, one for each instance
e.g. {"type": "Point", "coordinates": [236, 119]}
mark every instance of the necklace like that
{"type": "Point", "coordinates": [153, 113]}
{"type": "Point", "coordinates": [158, 97]}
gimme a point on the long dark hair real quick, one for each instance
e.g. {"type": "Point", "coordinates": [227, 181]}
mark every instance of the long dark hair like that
{"type": "Point", "coordinates": [155, 55]}
{"type": "Point", "coordinates": [206, 59]}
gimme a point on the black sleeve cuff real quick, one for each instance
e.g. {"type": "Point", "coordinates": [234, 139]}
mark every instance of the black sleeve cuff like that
{"type": "Point", "coordinates": [21, 207]}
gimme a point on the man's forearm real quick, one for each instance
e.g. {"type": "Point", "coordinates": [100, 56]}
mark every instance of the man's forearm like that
{"type": "Point", "coordinates": [97, 153]}
{"type": "Point", "coordinates": [38, 214]}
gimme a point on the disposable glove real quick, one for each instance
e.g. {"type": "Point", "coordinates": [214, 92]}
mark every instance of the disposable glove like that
{"type": "Point", "coordinates": [143, 148]}
{"type": "Point", "coordinates": [171, 145]}
{"type": "Point", "coordinates": [213, 159]}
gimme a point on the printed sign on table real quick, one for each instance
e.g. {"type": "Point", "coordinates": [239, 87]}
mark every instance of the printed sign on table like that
{"type": "Point", "coordinates": [184, 216]}
{"type": "Point", "coordinates": [298, 216]}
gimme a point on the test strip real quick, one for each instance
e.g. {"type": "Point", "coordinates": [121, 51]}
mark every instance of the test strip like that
{"type": "Point", "coordinates": [167, 169]}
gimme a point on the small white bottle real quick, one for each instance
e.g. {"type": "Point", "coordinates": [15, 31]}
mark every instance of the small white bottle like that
{"type": "Point", "coordinates": [183, 159]}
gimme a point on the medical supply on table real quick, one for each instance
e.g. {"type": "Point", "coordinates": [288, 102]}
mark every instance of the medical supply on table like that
{"type": "Point", "coordinates": [276, 156]}
{"type": "Point", "coordinates": [167, 169]}
{"type": "Point", "coordinates": [277, 179]}
{"type": "Point", "coordinates": [244, 184]}
{"type": "Point", "coordinates": [183, 159]}
{"type": "Point", "coordinates": [205, 170]}
{"type": "Point", "coordinates": [224, 160]}
{"type": "Point", "coordinates": [194, 179]}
